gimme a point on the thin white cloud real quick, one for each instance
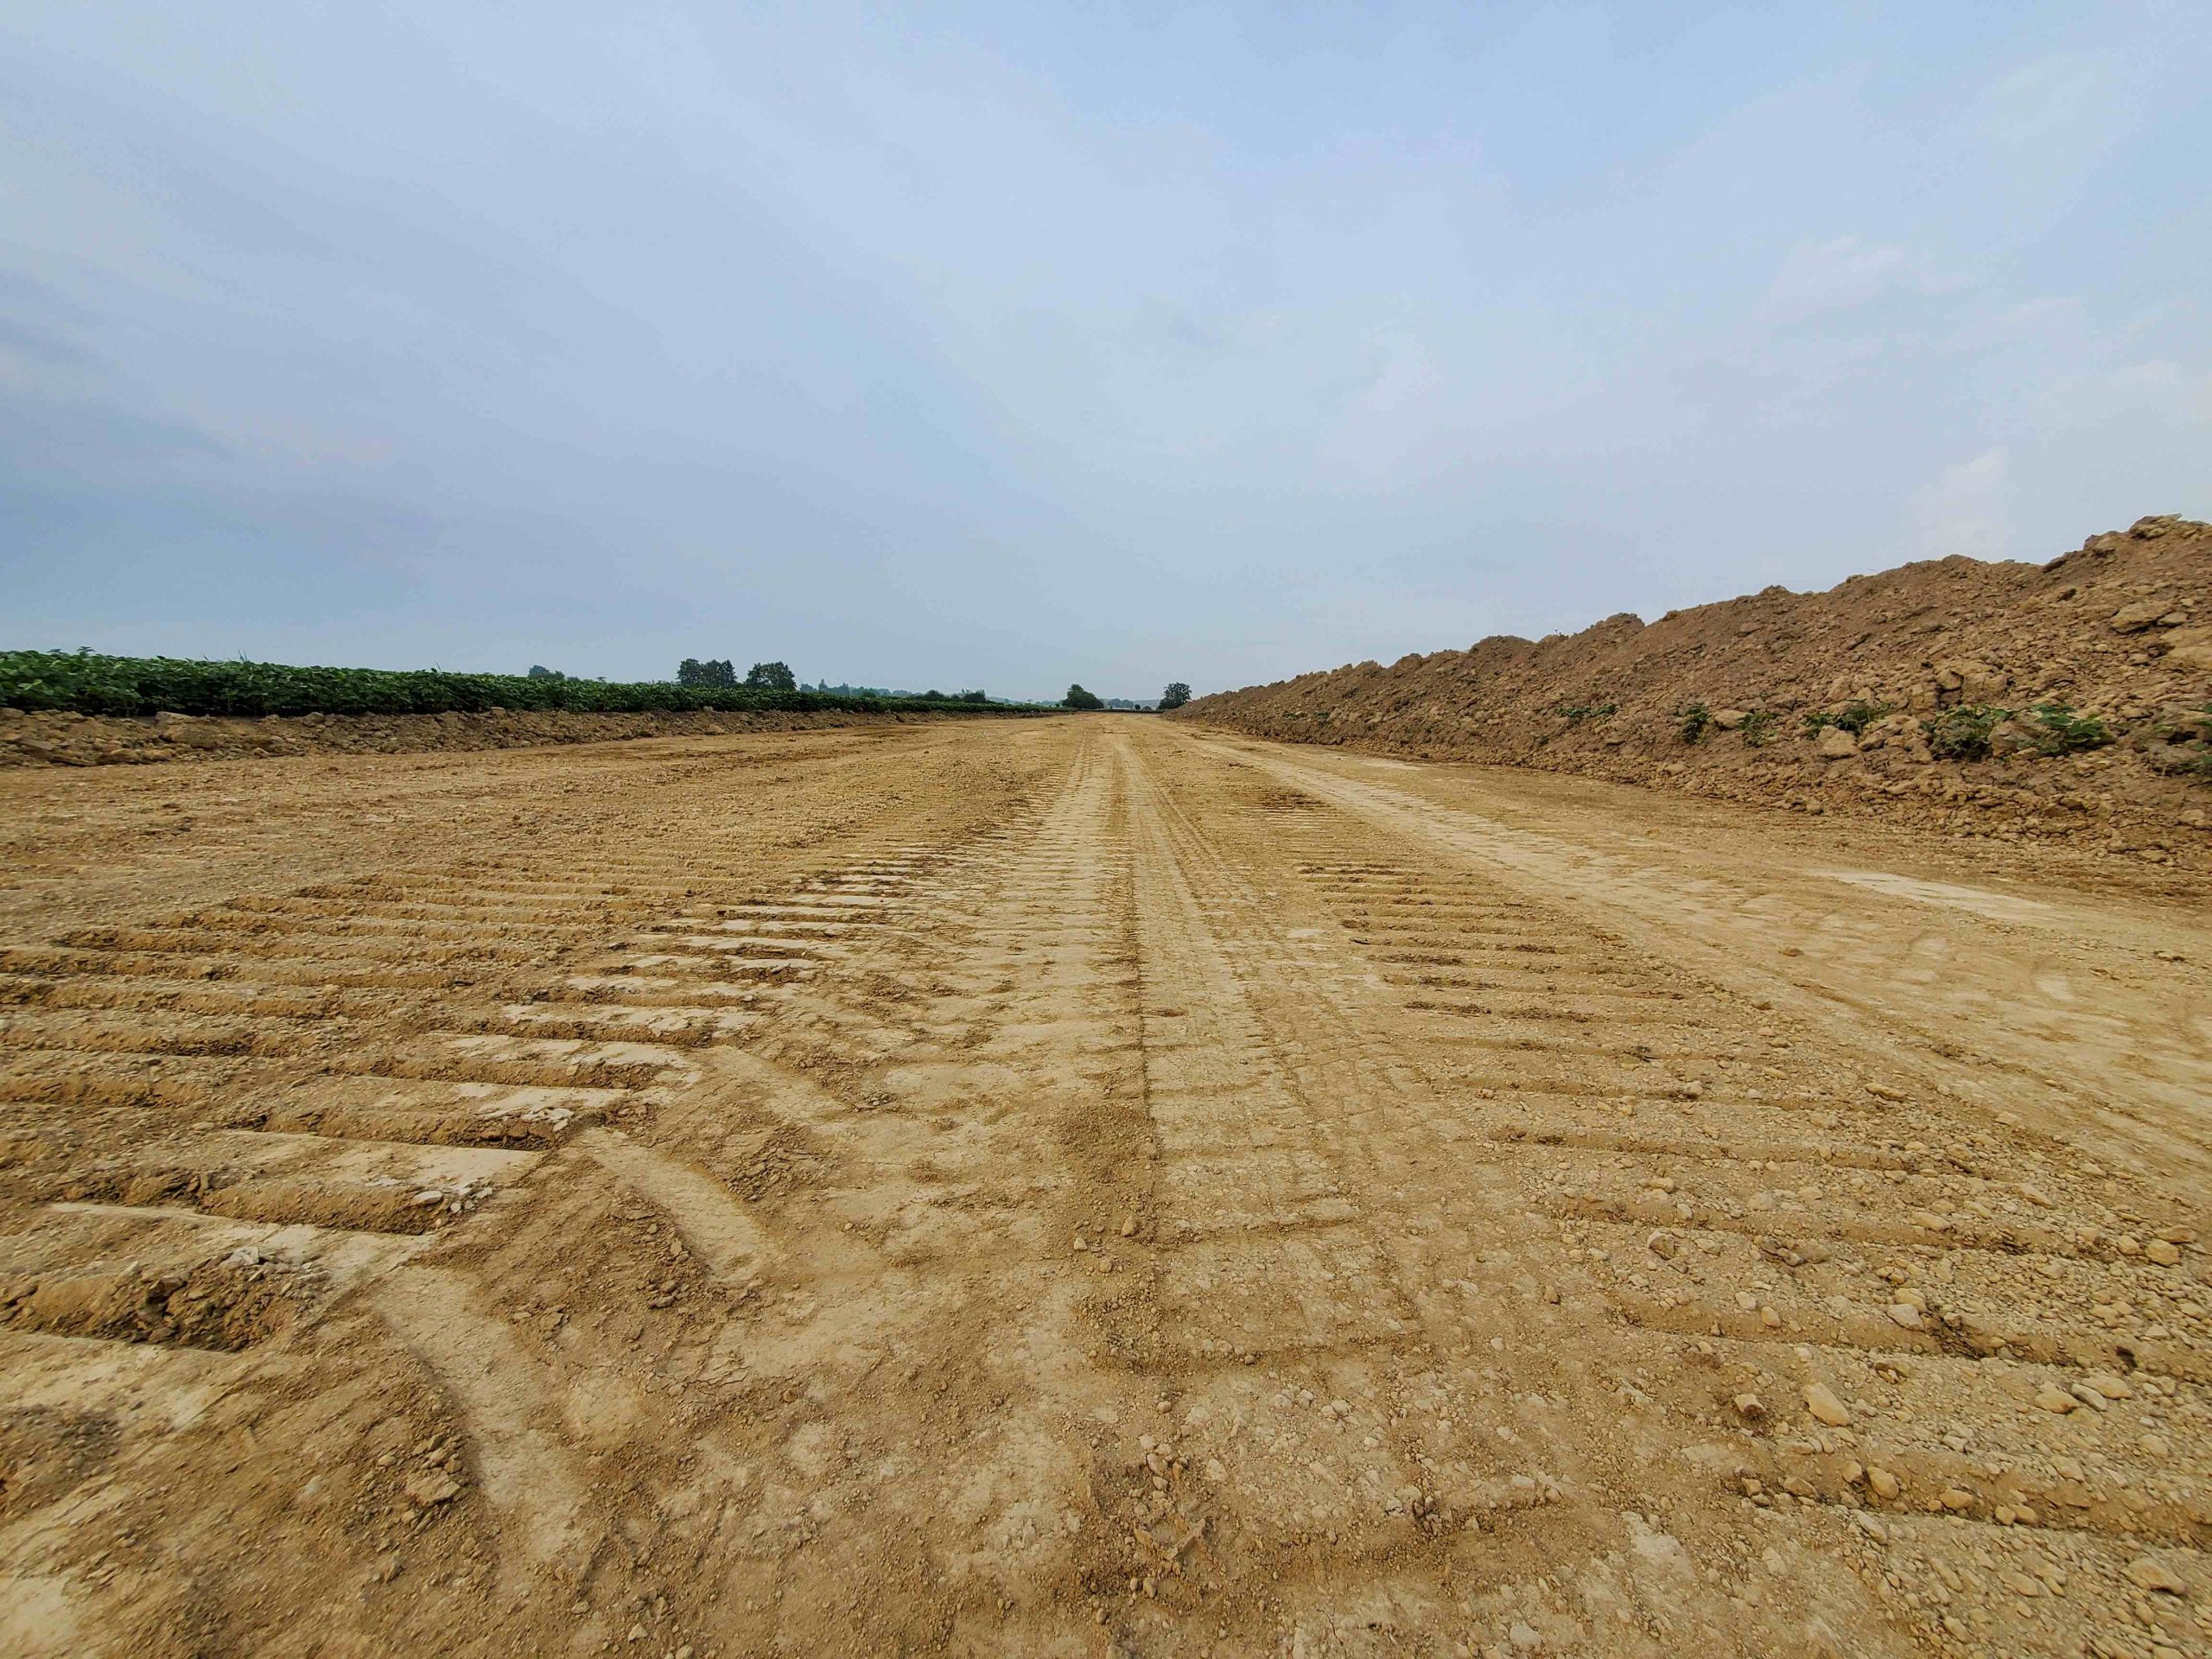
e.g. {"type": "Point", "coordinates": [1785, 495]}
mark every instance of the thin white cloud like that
{"type": "Point", "coordinates": [2062, 96]}
{"type": "Point", "coordinates": [1967, 509]}
{"type": "Point", "coordinates": [1843, 271]}
{"type": "Point", "coordinates": [1988, 322]}
{"type": "Point", "coordinates": [2157, 388]}
{"type": "Point", "coordinates": [2166, 388]}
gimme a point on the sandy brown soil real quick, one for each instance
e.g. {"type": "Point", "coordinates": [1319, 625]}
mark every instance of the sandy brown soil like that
{"type": "Point", "coordinates": [1930, 663]}
{"type": "Point", "coordinates": [1084, 1186]}
{"type": "Point", "coordinates": [49, 738]}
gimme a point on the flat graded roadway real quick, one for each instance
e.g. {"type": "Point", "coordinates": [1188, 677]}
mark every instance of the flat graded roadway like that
{"type": "Point", "coordinates": [1083, 1187]}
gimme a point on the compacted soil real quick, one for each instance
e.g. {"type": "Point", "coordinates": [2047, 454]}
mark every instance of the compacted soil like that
{"type": "Point", "coordinates": [52, 738]}
{"type": "Point", "coordinates": [1084, 1186]}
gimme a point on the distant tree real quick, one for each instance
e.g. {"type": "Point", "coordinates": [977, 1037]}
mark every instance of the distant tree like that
{"type": "Point", "coordinates": [1079, 698]}
{"type": "Point", "coordinates": [539, 671]}
{"type": "Point", "coordinates": [1175, 695]}
{"type": "Point", "coordinates": [708, 674]}
{"type": "Point", "coordinates": [934, 694]}
{"type": "Point", "coordinates": [770, 676]}
{"type": "Point", "coordinates": [975, 696]}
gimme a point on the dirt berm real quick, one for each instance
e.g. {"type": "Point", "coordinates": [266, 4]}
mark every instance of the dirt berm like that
{"type": "Point", "coordinates": [69, 739]}
{"type": "Point", "coordinates": [2069, 700]}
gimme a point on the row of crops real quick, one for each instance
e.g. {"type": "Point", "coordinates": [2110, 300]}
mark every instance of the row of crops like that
{"type": "Point", "coordinates": [87, 682]}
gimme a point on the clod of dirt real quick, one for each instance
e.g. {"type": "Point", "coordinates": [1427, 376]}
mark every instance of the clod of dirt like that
{"type": "Point", "coordinates": [224, 1304]}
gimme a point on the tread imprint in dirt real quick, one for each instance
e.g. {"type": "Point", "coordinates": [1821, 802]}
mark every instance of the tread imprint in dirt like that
{"type": "Point", "coordinates": [1176, 1206]}
{"type": "Point", "coordinates": [1682, 1100]}
{"type": "Point", "coordinates": [1719, 1188]}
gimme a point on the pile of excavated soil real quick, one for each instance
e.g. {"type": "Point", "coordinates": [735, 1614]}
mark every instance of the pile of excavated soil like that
{"type": "Point", "coordinates": [66, 740]}
{"type": "Point", "coordinates": [1737, 701]}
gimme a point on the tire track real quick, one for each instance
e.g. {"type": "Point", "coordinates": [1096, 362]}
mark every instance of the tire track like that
{"type": "Point", "coordinates": [1043, 1191]}
{"type": "Point", "coordinates": [1965, 1376]}
{"type": "Point", "coordinates": [1456, 1464]}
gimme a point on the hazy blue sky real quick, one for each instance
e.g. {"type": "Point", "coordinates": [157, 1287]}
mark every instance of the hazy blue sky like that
{"type": "Point", "coordinates": [1005, 345]}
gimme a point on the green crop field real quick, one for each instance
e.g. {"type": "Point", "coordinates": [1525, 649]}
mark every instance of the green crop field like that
{"type": "Point", "coordinates": [87, 682]}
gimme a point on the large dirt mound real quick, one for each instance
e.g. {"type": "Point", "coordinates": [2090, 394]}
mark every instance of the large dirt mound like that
{"type": "Point", "coordinates": [2011, 700]}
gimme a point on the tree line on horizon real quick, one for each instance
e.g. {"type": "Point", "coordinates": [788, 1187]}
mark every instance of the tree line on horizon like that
{"type": "Point", "coordinates": [714, 675]}
{"type": "Point", "coordinates": [92, 682]}
{"type": "Point", "coordinates": [1174, 697]}
{"type": "Point", "coordinates": [89, 683]}
{"type": "Point", "coordinates": [723, 674]}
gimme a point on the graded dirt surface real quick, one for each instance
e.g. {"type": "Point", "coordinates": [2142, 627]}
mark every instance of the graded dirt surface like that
{"type": "Point", "coordinates": [1083, 1187]}
{"type": "Point", "coordinates": [54, 738]}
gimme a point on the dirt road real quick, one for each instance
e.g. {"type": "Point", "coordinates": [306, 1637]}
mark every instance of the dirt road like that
{"type": "Point", "coordinates": [1079, 1187]}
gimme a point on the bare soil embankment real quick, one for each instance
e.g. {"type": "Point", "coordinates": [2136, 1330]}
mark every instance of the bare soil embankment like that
{"type": "Point", "coordinates": [71, 740]}
{"type": "Point", "coordinates": [2069, 700]}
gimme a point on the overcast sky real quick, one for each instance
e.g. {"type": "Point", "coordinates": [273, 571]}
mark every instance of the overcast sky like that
{"type": "Point", "coordinates": [1009, 344]}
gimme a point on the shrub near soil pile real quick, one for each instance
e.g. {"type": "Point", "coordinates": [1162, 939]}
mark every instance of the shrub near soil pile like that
{"type": "Point", "coordinates": [2071, 701]}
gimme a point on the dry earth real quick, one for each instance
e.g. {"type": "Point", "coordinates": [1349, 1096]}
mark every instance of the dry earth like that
{"type": "Point", "coordinates": [1083, 1187]}
{"type": "Point", "coordinates": [1929, 663]}
{"type": "Point", "coordinates": [51, 738]}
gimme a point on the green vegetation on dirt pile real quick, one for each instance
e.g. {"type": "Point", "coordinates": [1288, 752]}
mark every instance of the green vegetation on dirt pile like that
{"type": "Point", "coordinates": [85, 683]}
{"type": "Point", "coordinates": [2059, 730]}
{"type": "Point", "coordinates": [1854, 716]}
{"type": "Point", "coordinates": [1963, 734]}
{"type": "Point", "coordinates": [2194, 734]}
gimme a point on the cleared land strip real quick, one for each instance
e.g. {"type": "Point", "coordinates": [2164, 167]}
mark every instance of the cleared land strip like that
{"type": "Point", "coordinates": [1065, 1188]}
